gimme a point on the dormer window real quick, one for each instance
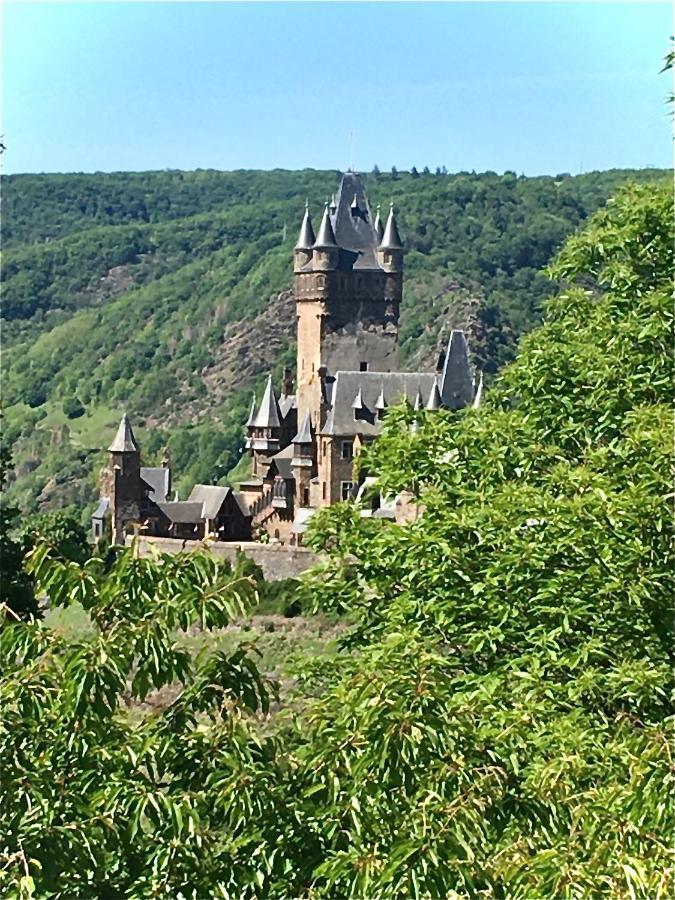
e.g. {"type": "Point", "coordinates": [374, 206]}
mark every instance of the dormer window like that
{"type": "Point", "coordinates": [363, 366]}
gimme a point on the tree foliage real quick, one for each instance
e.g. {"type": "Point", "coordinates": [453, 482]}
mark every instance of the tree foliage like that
{"type": "Point", "coordinates": [499, 722]}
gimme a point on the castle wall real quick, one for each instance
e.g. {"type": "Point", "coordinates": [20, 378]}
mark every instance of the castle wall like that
{"type": "Point", "coordinates": [277, 562]}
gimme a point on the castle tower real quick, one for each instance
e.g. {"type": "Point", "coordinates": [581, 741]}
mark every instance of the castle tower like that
{"type": "Point", "coordinates": [348, 288]}
{"type": "Point", "coordinates": [121, 481]}
{"type": "Point", "coordinates": [302, 463]}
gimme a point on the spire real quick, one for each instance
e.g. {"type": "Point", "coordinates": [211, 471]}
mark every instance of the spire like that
{"type": "Point", "coordinates": [434, 401]}
{"type": "Point", "coordinates": [304, 435]}
{"type": "Point", "coordinates": [268, 415]}
{"type": "Point", "coordinates": [325, 237]}
{"type": "Point", "coordinates": [251, 413]}
{"type": "Point", "coordinates": [381, 403]}
{"type": "Point", "coordinates": [457, 389]}
{"type": "Point", "coordinates": [391, 239]}
{"type": "Point", "coordinates": [478, 395]}
{"type": "Point", "coordinates": [306, 237]}
{"type": "Point", "coordinates": [124, 441]}
{"type": "Point", "coordinates": [378, 226]}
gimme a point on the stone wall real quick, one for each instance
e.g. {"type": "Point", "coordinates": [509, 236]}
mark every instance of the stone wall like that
{"type": "Point", "coordinates": [276, 561]}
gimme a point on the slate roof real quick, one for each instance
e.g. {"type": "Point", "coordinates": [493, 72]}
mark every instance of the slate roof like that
{"type": "Point", "coordinates": [352, 222]}
{"type": "Point", "coordinates": [457, 385]}
{"type": "Point", "coordinates": [393, 386]}
{"type": "Point", "coordinates": [124, 441]}
{"type": "Point", "coordinates": [158, 479]}
{"type": "Point", "coordinates": [182, 512]}
{"type": "Point", "coordinates": [304, 435]}
{"type": "Point", "coordinates": [286, 404]}
{"type": "Point", "coordinates": [211, 496]}
{"type": "Point", "coordinates": [282, 461]}
{"type": "Point", "coordinates": [101, 509]}
{"type": "Point", "coordinates": [325, 237]}
{"type": "Point", "coordinates": [306, 237]}
{"type": "Point", "coordinates": [269, 414]}
{"type": "Point", "coordinates": [391, 240]}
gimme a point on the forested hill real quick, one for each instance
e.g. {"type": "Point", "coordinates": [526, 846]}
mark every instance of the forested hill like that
{"type": "Point", "coordinates": [165, 294]}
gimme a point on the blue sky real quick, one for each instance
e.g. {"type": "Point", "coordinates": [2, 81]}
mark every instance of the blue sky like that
{"type": "Point", "coordinates": [533, 87]}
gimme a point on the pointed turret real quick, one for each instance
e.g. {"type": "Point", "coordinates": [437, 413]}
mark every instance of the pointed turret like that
{"type": "Point", "coordinates": [304, 435]}
{"type": "Point", "coordinates": [378, 226]}
{"type": "Point", "coordinates": [306, 237]}
{"type": "Point", "coordinates": [252, 413]}
{"type": "Point", "coordinates": [124, 441]}
{"type": "Point", "coordinates": [269, 414]}
{"type": "Point", "coordinates": [457, 388]}
{"type": "Point", "coordinates": [326, 237]}
{"type": "Point", "coordinates": [434, 401]}
{"type": "Point", "coordinates": [391, 239]}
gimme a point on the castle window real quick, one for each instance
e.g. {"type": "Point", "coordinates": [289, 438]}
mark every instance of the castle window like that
{"type": "Point", "coordinates": [347, 450]}
{"type": "Point", "coordinates": [305, 496]}
{"type": "Point", "coordinates": [346, 488]}
{"type": "Point", "coordinates": [363, 366]}
{"type": "Point", "coordinates": [323, 490]}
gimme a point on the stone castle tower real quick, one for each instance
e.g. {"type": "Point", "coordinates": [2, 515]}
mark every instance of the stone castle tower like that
{"type": "Point", "coordinates": [348, 283]}
{"type": "Point", "coordinates": [121, 480]}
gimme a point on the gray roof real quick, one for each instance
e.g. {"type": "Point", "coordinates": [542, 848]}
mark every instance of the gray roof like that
{"type": "Point", "coordinates": [158, 479]}
{"type": "Point", "coordinates": [353, 225]}
{"type": "Point", "coordinates": [378, 226]}
{"type": "Point", "coordinates": [211, 496]}
{"type": "Point", "coordinates": [286, 404]}
{"type": "Point", "coordinates": [434, 401]}
{"type": "Point", "coordinates": [304, 435]}
{"type": "Point", "coordinates": [269, 414]}
{"type": "Point", "coordinates": [457, 386]}
{"type": "Point", "coordinates": [101, 509]}
{"type": "Point", "coordinates": [124, 441]}
{"type": "Point", "coordinates": [282, 461]}
{"type": "Point", "coordinates": [394, 387]}
{"type": "Point", "coordinates": [252, 413]}
{"type": "Point", "coordinates": [306, 237]}
{"type": "Point", "coordinates": [391, 239]}
{"type": "Point", "coordinates": [182, 512]}
{"type": "Point", "coordinates": [325, 237]}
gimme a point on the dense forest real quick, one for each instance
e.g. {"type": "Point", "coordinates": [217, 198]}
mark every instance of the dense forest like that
{"type": "Point", "coordinates": [497, 721]}
{"type": "Point", "coordinates": [165, 294]}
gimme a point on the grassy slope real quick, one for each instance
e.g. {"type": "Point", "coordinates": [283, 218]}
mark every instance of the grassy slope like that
{"type": "Point", "coordinates": [151, 292]}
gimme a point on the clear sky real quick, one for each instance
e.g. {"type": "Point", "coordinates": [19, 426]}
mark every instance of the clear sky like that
{"type": "Point", "coordinates": [533, 87]}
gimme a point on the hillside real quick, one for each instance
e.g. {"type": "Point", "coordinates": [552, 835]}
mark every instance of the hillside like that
{"type": "Point", "coordinates": [166, 294]}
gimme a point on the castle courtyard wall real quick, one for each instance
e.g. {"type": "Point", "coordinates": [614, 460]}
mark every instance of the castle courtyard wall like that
{"type": "Point", "coordinates": [276, 561]}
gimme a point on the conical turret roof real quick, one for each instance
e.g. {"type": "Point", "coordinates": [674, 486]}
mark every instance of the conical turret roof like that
{"type": "Point", "coordinates": [124, 441]}
{"type": "Point", "coordinates": [304, 435]}
{"type": "Point", "coordinates": [457, 388]}
{"type": "Point", "coordinates": [269, 414]}
{"type": "Point", "coordinates": [252, 413]}
{"type": "Point", "coordinates": [378, 226]}
{"type": "Point", "coordinates": [326, 236]}
{"type": "Point", "coordinates": [434, 401]}
{"type": "Point", "coordinates": [306, 237]}
{"type": "Point", "coordinates": [391, 240]}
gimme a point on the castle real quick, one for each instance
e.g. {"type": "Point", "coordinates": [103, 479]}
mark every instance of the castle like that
{"type": "Point", "coordinates": [348, 283]}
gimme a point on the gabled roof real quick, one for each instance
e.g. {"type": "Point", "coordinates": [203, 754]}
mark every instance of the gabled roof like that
{"type": "Point", "coordinates": [101, 509]}
{"type": "Point", "coordinates": [281, 462]}
{"type": "Point", "coordinates": [306, 237]}
{"type": "Point", "coordinates": [457, 389]}
{"type": "Point", "coordinates": [391, 387]}
{"type": "Point", "coordinates": [124, 441]}
{"type": "Point", "coordinates": [304, 435]}
{"type": "Point", "coordinates": [286, 405]}
{"type": "Point", "coordinates": [182, 512]}
{"type": "Point", "coordinates": [211, 496]}
{"type": "Point", "coordinates": [158, 479]}
{"type": "Point", "coordinates": [269, 414]}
